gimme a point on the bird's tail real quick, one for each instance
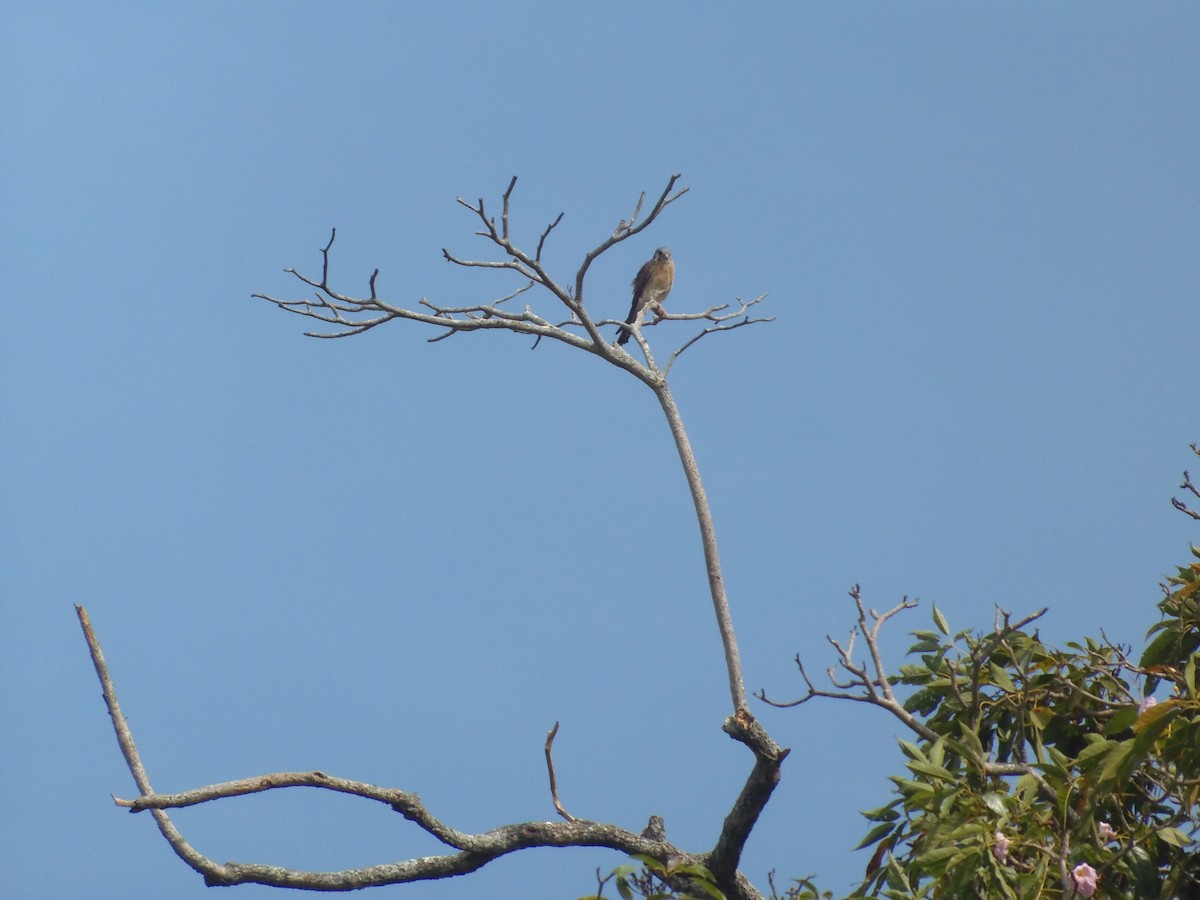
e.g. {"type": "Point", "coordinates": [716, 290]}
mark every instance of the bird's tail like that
{"type": "Point", "coordinates": [623, 335]}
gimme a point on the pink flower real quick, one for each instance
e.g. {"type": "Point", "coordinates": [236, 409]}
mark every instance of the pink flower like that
{"type": "Point", "coordinates": [1106, 833]}
{"type": "Point", "coordinates": [1085, 879]}
{"type": "Point", "coordinates": [1000, 848]}
{"type": "Point", "coordinates": [1146, 703]}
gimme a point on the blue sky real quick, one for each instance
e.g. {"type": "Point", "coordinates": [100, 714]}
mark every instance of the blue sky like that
{"type": "Point", "coordinates": [402, 562]}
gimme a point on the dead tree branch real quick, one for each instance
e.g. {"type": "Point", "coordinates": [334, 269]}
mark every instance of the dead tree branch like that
{"type": "Point", "coordinates": [473, 851]}
{"type": "Point", "coordinates": [349, 315]}
{"type": "Point", "coordinates": [723, 321]}
{"type": "Point", "coordinates": [345, 315]}
{"type": "Point", "coordinates": [1190, 488]}
{"type": "Point", "coordinates": [865, 685]}
{"type": "Point", "coordinates": [550, 769]}
{"type": "Point", "coordinates": [580, 330]}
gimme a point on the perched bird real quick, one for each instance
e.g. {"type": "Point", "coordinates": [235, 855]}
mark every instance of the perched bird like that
{"type": "Point", "coordinates": [650, 289]}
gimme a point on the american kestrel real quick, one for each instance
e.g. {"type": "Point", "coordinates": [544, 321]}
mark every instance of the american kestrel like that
{"type": "Point", "coordinates": [650, 289]}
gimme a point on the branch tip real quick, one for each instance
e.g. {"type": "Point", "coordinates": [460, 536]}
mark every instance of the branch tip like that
{"type": "Point", "coordinates": [553, 781]}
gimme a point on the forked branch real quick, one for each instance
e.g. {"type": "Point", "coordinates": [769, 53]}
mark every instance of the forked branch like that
{"type": "Point", "coordinates": [1190, 488]}
{"type": "Point", "coordinates": [580, 329]}
{"type": "Point", "coordinates": [866, 683]}
{"type": "Point", "coordinates": [869, 682]}
{"type": "Point", "coordinates": [345, 315]}
{"type": "Point", "coordinates": [471, 851]}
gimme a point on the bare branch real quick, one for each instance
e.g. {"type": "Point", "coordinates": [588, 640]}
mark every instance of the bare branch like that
{"type": "Point", "coordinates": [1184, 508]}
{"type": "Point", "coordinates": [546, 234]}
{"type": "Point", "coordinates": [624, 226]}
{"type": "Point", "coordinates": [517, 255]}
{"type": "Point", "coordinates": [473, 850]}
{"type": "Point", "coordinates": [723, 323]}
{"type": "Point", "coordinates": [515, 265]}
{"type": "Point", "coordinates": [332, 307]}
{"type": "Point", "coordinates": [353, 316]}
{"type": "Point", "coordinates": [876, 688]}
{"type": "Point", "coordinates": [1190, 488]}
{"type": "Point", "coordinates": [129, 749]}
{"type": "Point", "coordinates": [768, 758]}
{"type": "Point", "coordinates": [625, 230]}
{"type": "Point", "coordinates": [554, 781]}
{"type": "Point", "coordinates": [507, 194]}
{"type": "Point", "coordinates": [708, 540]}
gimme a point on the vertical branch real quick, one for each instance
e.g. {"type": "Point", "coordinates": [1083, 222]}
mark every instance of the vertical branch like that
{"type": "Point", "coordinates": [708, 538]}
{"type": "Point", "coordinates": [129, 749]}
{"type": "Point", "coordinates": [553, 780]}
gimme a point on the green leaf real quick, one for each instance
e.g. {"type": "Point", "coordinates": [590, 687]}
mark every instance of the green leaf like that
{"type": "Point", "coordinates": [1119, 753]}
{"type": "Point", "coordinates": [930, 858]}
{"type": "Point", "coordinates": [712, 890]}
{"type": "Point", "coordinates": [911, 750]}
{"type": "Point", "coordinates": [896, 874]}
{"type": "Point", "coordinates": [970, 739]}
{"type": "Point", "coordinates": [1059, 759]}
{"type": "Point", "coordinates": [1159, 650]}
{"type": "Point", "coordinates": [882, 814]}
{"type": "Point", "coordinates": [696, 871]}
{"type": "Point", "coordinates": [875, 834]}
{"type": "Point", "coordinates": [1027, 788]}
{"type": "Point", "coordinates": [1150, 717]}
{"type": "Point", "coordinates": [1121, 721]}
{"type": "Point", "coordinates": [623, 889]}
{"type": "Point", "coordinates": [969, 830]}
{"type": "Point", "coordinates": [651, 863]}
{"type": "Point", "coordinates": [1174, 837]}
{"type": "Point", "coordinates": [910, 788]}
{"type": "Point", "coordinates": [1001, 677]}
{"type": "Point", "coordinates": [924, 701]}
{"type": "Point", "coordinates": [1092, 751]}
{"type": "Point", "coordinates": [926, 768]}
{"type": "Point", "coordinates": [937, 753]}
{"type": "Point", "coordinates": [1041, 717]}
{"type": "Point", "coordinates": [995, 802]}
{"type": "Point", "coordinates": [940, 621]}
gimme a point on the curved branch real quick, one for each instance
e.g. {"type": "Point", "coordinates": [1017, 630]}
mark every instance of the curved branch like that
{"type": "Point", "coordinates": [353, 315]}
{"type": "Point", "coordinates": [708, 540]}
{"type": "Point", "coordinates": [474, 850]}
{"type": "Point", "coordinates": [129, 750]}
{"type": "Point", "coordinates": [550, 735]}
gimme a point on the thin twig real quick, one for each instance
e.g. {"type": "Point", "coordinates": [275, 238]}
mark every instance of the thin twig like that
{"type": "Point", "coordinates": [625, 230]}
{"type": "Point", "coordinates": [554, 781]}
{"type": "Point", "coordinates": [546, 234]}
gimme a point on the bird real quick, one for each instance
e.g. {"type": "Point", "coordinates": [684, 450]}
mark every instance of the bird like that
{"type": "Point", "coordinates": [650, 288]}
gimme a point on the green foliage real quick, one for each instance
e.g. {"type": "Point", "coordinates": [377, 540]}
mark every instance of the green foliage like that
{"type": "Point", "coordinates": [1038, 759]}
{"type": "Point", "coordinates": [655, 880]}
